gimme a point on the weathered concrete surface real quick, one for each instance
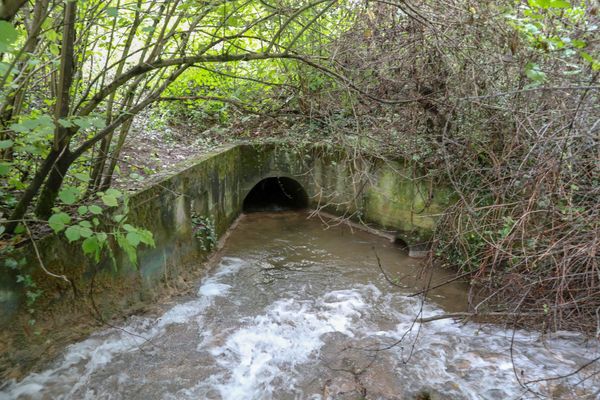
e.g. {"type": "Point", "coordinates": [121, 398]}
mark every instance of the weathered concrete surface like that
{"type": "Point", "coordinates": [391, 196]}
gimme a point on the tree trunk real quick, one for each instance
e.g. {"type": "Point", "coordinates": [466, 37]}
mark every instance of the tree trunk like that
{"type": "Point", "coordinates": [115, 155]}
{"type": "Point", "coordinates": [50, 191]}
{"type": "Point", "coordinates": [62, 135]}
{"type": "Point", "coordinates": [33, 188]}
{"type": "Point", "coordinates": [96, 175]}
{"type": "Point", "coordinates": [58, 155]}
{"type": "Point", "coordinates": [8, 8]}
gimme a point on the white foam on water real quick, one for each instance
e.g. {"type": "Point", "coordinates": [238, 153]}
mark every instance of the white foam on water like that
{"type": "Point", "coordinates": [78, 362]}
{"type": "Point", "coordinates": [82, 359]}
{"type": "Point", "coordinates": [228, 266]}
{"type": "Point", "coordinates": [473, 361]}
{"type": "Point", "coordinates": [213, 289]}
{"type": "Point", "coordinates": [259, 359]}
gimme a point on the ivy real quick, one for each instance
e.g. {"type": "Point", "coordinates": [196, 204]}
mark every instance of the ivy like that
{"type": "Point", "coordinates": [204, 230]}
{"type": "Point", "coordinates": [32, 291]}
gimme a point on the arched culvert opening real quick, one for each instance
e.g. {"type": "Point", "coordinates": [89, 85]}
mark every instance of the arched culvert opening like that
{"type": "Point", "coordinates": [401, 243]}
{"type": "Point", "coordinates": [276, 194]}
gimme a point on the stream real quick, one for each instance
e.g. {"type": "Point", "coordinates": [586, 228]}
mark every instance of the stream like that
{"type": "Point", "coordinates": [296, 311]}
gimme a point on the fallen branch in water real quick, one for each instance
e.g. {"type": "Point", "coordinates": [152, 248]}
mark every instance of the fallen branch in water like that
{"type": "Point", "coordinates": [464, 315]}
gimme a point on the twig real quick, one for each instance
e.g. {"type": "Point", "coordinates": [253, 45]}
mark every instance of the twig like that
{"type": "Point", "coordinates": [39, 258]}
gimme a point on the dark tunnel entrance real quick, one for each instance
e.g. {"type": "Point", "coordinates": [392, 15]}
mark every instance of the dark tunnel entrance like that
{"type": "Point", "coordinates": [276, 194]}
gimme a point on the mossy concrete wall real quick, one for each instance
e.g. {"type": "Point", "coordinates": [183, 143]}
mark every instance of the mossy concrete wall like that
{"type": "Point", "coordinates": [391, 196]}
{"type": "Point", "coordinates": [67, 310]}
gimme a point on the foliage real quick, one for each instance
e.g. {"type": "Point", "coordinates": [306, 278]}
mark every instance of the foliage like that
{"type": "Point", "coordinates": [73, 75]}
{"type": "Point", "coordinates": [92, 232]}
{"type": "Point", "coordinates": [79, 114]}
{"type": "Point", "coordinates": [204, 231]}
{"type": "Point", "coordinates": [32, 292]}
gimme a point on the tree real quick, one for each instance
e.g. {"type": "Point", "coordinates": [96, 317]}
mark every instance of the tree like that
{"type": "Point", "coordinates": [146, 46]}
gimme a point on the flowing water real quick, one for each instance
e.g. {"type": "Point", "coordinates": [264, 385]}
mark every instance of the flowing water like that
{"type": "Point", "coordinates": [296, 311]}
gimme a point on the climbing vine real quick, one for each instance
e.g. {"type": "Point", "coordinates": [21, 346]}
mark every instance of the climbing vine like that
{"type": "Point", "coordinates": [204, 231]}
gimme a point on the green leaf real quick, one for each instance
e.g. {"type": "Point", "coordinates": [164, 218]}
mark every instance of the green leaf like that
{"type": "Point", "coordinates": [42, 124]}
{"type": "Point", "coordinates": [76, 232]}
{"type": "Point", "coordinates": [102, 237]}
{"type": "Point", "coordinates": [545, 4]}
{"type": "Point", "coordinates": [69, 195]}
{"type": "Point", "coordinates": [82, 176]}
{"type": "Point", "coordinates": [52, 35]}
{"type": "Point", "coordinates": [85, 231]}
{"type": "Point", "coordinates": [133, 238]}
{"type": "Point", "coordinates": [112, 11]}
{"type": "Point", "coordinates": [59, 221]}
{"type": "Point", "coordinates": [11, 263]}
{"type": "Point", "coordinates": [72, 233]}
{"type": "Point", "coordinates": [89, 122]}
{"type": "Point", "coordinates": [587, 57]}
{"type": "Point", "coordinates": [4, 67]}
{"type": "Point", "coordinates": [534, 73]}
{"type": "Point", "coordinates": [8, 36]}
{"type": "Point", "coordinates": [4, 168]}
{"type": "Point", "coordinates": [147, 237]}
{"type": "Point", "coordinates": [129, 228]}
{"type": "Point", "coordinates": [65, 123]}
{"type": "Point", "coordinates": [20, 229]}
{"type": "Point", "coordinates": [94, 209]}
{"type": "Point", "coordinates": [5, 144]}
{"type": "Point", "coordinates": [98, 122]}
{"type": "Point", "coordinates": [127, 248]}
{"type": "Point", "coordinates": [109, 201]}
{"type": "Point", "coordinates": [83, 123]}
{"type": "Point", "coordinates": [91, 245]}
{"type": "Point", "coordinates": [82, 210]}
{"type": "Point", "coordinates": [85, 224]}
{"type": "Point", "coordinates": [559, 4]}
{"type": "Point", "coordinates": [114, 193]}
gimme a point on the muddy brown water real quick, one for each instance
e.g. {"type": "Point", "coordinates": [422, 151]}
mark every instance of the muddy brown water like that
{"type": "Point", "coordinates": [297, 311]}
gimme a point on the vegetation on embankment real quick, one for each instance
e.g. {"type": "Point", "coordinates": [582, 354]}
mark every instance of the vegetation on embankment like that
{"type": "Point", "coordinates": [498, 98]}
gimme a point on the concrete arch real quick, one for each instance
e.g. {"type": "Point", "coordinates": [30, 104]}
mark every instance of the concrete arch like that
{"type": "Point", "coordinates": [247, 183]}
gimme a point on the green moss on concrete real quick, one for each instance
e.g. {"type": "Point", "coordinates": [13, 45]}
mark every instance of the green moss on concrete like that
{"type": "Point", "coordinates": [398, 201]}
